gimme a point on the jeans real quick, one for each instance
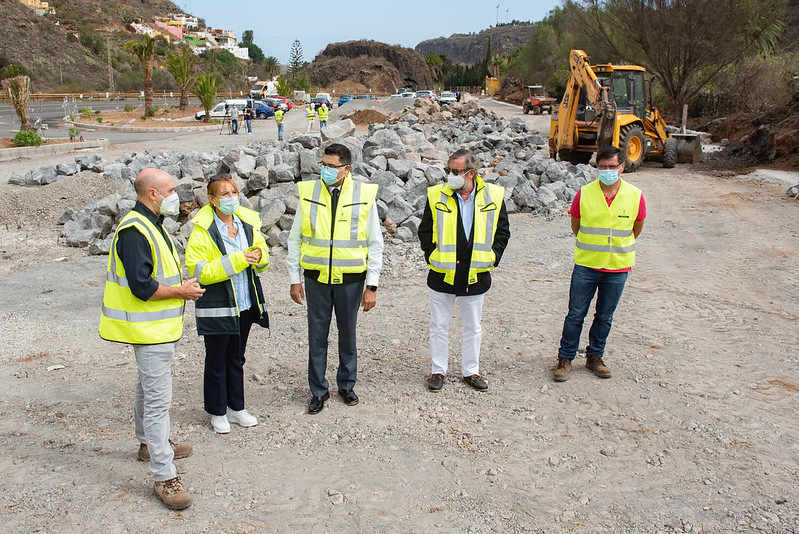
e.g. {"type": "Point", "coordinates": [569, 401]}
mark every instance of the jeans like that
{"type": "Point", "coordinates": [585, 283]}
{"type": "Point", "coordinates": [322, 124]}
{"type": "Point", "coordinates": [249, 125]}
{"type": "Point", "coordinates": [234, 125]}
{"type": "Point", "coordinates": [280, 131]}
{"type": "Point", "coordinates": [151, 405]}
{"type": "Point", "coordinates": [441, 306]}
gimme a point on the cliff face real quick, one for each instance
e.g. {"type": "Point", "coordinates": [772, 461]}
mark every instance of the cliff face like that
{"type": "Point", "coordinates": [369, 65]}
{"type": "Point", "coordinates": [462, 48]}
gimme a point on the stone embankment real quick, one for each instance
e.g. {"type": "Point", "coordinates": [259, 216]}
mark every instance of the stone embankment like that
{"type": "Point", "coordinates": [404, 156]}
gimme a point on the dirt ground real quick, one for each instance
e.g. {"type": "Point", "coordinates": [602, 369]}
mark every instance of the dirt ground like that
{"type": "Point", "coordinates": [695, 432]}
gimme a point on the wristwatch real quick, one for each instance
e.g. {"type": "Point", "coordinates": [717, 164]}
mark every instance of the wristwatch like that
{"type": "Point", "coordinates": [371, 288]}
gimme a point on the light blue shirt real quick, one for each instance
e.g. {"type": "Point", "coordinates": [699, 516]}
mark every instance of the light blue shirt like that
{"type": "Point", "coordinates": [466, 208]}
{"type": "Point", "coordinates": [236, 244]}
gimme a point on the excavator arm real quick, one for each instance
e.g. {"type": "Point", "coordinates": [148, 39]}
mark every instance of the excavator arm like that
{"type": "Point", "coordinates": [602, 107]}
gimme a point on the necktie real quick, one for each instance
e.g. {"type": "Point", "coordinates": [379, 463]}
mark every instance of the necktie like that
{"type": "Point", "coordinates": [334, 194]}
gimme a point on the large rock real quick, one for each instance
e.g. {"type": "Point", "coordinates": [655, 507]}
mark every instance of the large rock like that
{"type": "Point", "coordinates": [259, 179]}
{"type": "Point", "coordinates": [400, 167]}
{"type": "Point", "coordinates": [271, 213]}
{"type": "Point", "coordinates": [67, 169]}
{"type": "Point", "coordinates": [185, 189]}
{"type": "Point", "coordinates": [281, 173]}
{"type": "Point", "coordinates": [307, 140]}
{"type": "Point", "coordinates": [338, 129]}
{"type": "Point", "coordinates": [399, 209]}
{"type": "Point", "coordinates": [244, 166]}
{"type": "Point", "coordinates": [309, 163]}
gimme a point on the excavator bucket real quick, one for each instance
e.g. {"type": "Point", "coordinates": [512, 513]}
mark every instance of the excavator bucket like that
{"type": "Point", "coordinates": [688, 147]}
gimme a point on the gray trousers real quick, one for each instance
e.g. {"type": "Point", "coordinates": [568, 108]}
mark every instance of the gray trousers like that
{"type": "Point", "coordinates": [151, 405]}
{"type": "Point", "coordinates": [323, 300]}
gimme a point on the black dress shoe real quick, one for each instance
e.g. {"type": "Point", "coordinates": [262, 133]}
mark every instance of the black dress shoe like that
{"type": "Point", "coordinates": [476, 382]}
{"type": "Point", "coordinates": [317, 403]}
{"type": "Point", "coordinates": [349, 396]}
{"type": "Point", "coordinates": [436, 382]}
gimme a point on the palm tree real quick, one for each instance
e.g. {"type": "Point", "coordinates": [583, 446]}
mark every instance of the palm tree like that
{"type": "Point", "coordinates": [18, 88]}
{"type": "Point", "coordinates": [145, 50]}
{"type": "Point", "coordinates": [271, 66]}
{"type": "Point", "coordinates": [180, 66]}
{"type": "Point", "coordinates": [205, 89]}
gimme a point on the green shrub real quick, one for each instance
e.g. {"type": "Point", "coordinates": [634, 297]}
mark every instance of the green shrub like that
{"type": "Point", "coordinates": [27, 138]}
{"type": "Point", "coordinates": [97, 112]}
{"type": "Point", "coordinates": [98, 118]}
{"type": "Point", "coordinates": [129, 107]}
{"type": "Point", "coordinates": [73, 133]}
{"type": "Point", "coordinates": [85, 111]}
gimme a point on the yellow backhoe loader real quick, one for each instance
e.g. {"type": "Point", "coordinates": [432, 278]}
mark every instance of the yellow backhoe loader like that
{"type": "Point", "coordinates": [612, 105]}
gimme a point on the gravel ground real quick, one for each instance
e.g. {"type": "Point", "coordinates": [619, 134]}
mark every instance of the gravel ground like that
{"type": "Point", "coordinates": [695, 432]}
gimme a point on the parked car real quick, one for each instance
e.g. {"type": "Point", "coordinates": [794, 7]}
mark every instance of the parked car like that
{"type": "Point", "coordinates": [365, 97]}
{"type": "Point", "coordinates": [426, 94]}
{"type": "Point", "coordinates": [262, 111]}
{"type": "Point", "coordinates": [343, 99]}
{"type": "Point", "coordinates": [261, 88]}
{"type": "Point", "coordinates": [276, 103]}
{"type": "Point", "coordinates": [447, 98]}
{"type": "Point", "coordinates": [319, 98]}
{"type": "Point", "coordinates": [403, 95]}
{"type": "Point", "coordinates": [286, 100]}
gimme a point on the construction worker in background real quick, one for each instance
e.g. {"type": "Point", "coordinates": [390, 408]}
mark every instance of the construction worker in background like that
{"type": "Point", "coordinates": [310, 114]}
{"type": "Point", "coordinates": [143, 306]}
{"type": "Point", "coordinates": [280, 121]}
{"type": "Point", "coordinates": [323, 114]}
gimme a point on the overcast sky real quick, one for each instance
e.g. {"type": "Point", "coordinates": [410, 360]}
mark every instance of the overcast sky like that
{"type": "Point", "coordinates": [396, 22]}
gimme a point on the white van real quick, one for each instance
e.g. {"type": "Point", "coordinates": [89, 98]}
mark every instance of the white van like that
{"type": "Point", "coordinates": [218, 111]}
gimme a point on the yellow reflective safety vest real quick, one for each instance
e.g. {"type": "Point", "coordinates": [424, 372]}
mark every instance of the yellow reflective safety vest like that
{"type": "Point", "coordinates": [217, 311]}
{"type": "Point", "coordinates": [605, 239]}
{"type": "Point", "coordinates": [126, 318]}
{"type": "Point", "coordinates": [488, 200]}
{"type": "Point", "coordinates": [323, 113]}
{"type": "Point", "coordinates": [345, 251]}
{"type": "Point", "coordinates": [310, 113]}
{"type": "Point", "coordinates": [279, 116]}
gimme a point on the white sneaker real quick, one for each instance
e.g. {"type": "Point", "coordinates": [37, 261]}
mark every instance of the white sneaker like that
{"type": "Point", "coordinates": [242, 417]}
{"type": "Point", "coordinates": [220, 424]}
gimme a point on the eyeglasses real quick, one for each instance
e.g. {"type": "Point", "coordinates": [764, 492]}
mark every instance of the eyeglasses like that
{"type": "Point", "coordinates": [217, 177]}
{"type": "Point", "coordinates": [334, 166]}
{"type": "Point", "coordinates": [608, 167]}
{"type": "Point", "coordinates": [461, 172]}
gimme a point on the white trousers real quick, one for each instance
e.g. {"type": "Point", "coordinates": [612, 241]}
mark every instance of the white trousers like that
{"type": "Point", "coordinates": [151, 405]}
{"type": "Point", "coordinates": [310, 125]}
{"type": "Point", "coordinates": [441, 307]}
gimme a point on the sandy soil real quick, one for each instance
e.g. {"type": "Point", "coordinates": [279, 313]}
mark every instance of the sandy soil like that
{"type": "Point", "coordinates": [695, 432]}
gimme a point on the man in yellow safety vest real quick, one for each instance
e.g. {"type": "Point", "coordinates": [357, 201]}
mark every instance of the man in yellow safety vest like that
{"type": "Point", "coordinates": [143, 305]}
{"type": "Point", "coordinates": [280, 121]}
{"type": "Point", "coordinates": [310, 114]}
{"type": "Point", "coordinates": [323, 114]}
{"type": "Point", "coordinates": [463, 233]}
{"type": "Point", "coordinates": [607, 215]}
{"type": "Point", "coordinates": [336, 242]}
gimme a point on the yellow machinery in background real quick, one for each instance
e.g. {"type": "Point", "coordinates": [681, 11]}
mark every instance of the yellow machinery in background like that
{"type": "Point", "coordinates": [612, 105]}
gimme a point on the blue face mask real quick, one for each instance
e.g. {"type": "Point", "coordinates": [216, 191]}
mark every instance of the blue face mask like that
{"type": "Point", "coordinates": [609, 177]}
{"type": "Point", "coordinates": [228, 205]}
{"type": "Point", "coordinates": [329, 175]}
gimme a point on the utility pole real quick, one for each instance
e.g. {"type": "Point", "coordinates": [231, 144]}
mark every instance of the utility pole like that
{"type": "Point", "coordinates": [497, 23]}
{"type": "Point", "coordinates": [110, 70]}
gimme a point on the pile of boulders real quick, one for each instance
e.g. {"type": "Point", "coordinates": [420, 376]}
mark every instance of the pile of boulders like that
{"type": "Point", "coordinates": [404, 158]}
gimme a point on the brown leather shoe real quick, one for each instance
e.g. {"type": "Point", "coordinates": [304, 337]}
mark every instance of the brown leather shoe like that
{"type": "Point", "coordinates": [596, 364]}
{"type": "Point", "coordinates": [562, 369]}
{"type": "Point", "coordinates": [173, 494]}
{"type": "Point", "coordinates": [180, 450]}
{"type": "Point", "coordinates": [476, 382]}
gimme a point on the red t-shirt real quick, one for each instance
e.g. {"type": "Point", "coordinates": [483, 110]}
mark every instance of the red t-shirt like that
{"type": "Point", "coordinates": [575, 212]}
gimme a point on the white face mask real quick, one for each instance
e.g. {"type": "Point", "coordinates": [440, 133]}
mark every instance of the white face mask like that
{"type": "Point", "coordinates": [170, 205]}
{"type": "Point", "coordinates": [455, 181]}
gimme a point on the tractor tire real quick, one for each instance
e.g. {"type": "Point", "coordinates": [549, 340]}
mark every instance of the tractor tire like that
{"type": "Point", "coordinates": [669, 153]}
{"type": "Point", "coordinates": [526, 110]}
{"type": "Point", "coordinates": [632, 145]}
{"type": "Point", "coordinates": [536, 110]}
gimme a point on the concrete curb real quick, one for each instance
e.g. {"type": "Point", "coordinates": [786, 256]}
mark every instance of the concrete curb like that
{"type": "Point", "coordinates": [8, 154]}
{"type": "Point", "coordinates": [170, 129]}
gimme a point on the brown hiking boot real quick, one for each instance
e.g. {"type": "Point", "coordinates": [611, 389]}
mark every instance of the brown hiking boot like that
{"type": "Point", "coordinates": [596, 364]}
{"type": "Point", "coordinates": [181, 450]}
{"type": "Point", "coordinates": [173, 494]}
{"type": "Point", "coordinates": [561, 371]}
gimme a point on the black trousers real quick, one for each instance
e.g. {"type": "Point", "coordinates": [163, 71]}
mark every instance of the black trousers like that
{"type": "Point", "coordinates": [223, 383]}
{"type": "Point", "coordinates": [323, 300]}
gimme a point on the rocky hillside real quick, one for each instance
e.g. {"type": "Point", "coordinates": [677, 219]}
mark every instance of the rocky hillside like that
{"type": "Point", "coordinates": [471, 48]}
{"type": "Point", "coordinates": [357, 66]}
{"type": "Point", "coordinates": [49, 48]}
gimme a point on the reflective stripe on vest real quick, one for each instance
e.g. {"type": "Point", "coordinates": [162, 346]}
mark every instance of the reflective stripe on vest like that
{"type": "Point", "coordinates": [346, 250]}
{"type": "Point", "coordinates": [605, 239]}
{"type": "Point", "coordinates": [488, 201]}
{"type": "Point", "coordinates": [124, 317]}
{"type": "Point", "coordinates": [323, 114]}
